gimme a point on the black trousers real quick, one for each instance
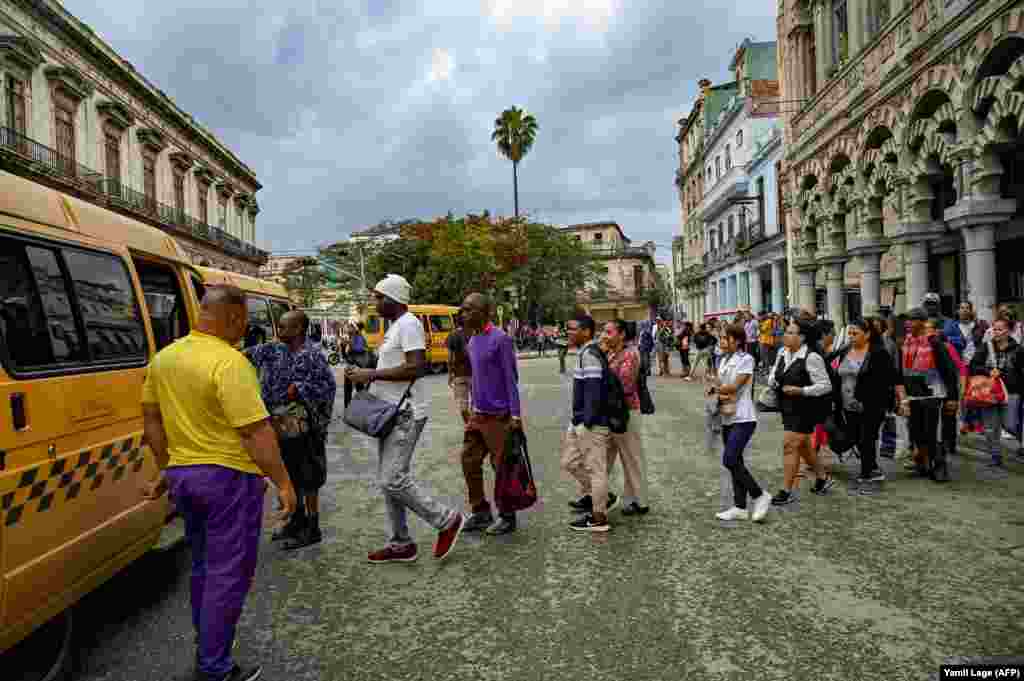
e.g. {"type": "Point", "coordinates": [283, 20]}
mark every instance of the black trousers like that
{"type": "Point", "coordinates": [924, 423]}
{"type": "Point", "coordinates": [864, 427]}
{"type": "Point", "coordinates": [735, 437]}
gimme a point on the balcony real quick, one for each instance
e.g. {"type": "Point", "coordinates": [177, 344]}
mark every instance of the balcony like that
{"type": "Point", "coordinates": [37, 158]}
{"type": "Point", "coordinates": [609, 250]}
{"type": "Point", "coordinates": [41, 159]}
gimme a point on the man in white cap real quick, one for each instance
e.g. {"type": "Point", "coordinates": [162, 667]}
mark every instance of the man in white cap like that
{"type": "Point", "coordinates": [402, 358]}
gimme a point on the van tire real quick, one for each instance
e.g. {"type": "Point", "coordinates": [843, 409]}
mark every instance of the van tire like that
{"type": "Point", "coordinates": [53, 640]}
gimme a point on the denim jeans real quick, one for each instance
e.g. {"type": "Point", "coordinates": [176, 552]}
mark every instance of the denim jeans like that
{"type": "Point", "coordinates": [736, 437]}
{"type": "Point", "coordinates": [401, 493]}
{"type": "Point", "coordinates": [996, 419]}
{"type": "Point", "coordinates": [223, 512]}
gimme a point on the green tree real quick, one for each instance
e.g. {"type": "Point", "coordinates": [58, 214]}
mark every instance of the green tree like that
{"type": "Point", "coordinates": [305, 281]}
{"type": "Point", "coordinates": [514, 133]}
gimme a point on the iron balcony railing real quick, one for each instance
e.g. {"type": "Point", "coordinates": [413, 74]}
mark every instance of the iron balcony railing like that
{"type": "Point", "coordinates": [43, 159]}
{"type": "Point", "coordinates": [47, 160]}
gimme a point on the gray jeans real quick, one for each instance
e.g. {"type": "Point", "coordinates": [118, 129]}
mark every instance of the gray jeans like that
{"type": "Point", "coordinates": [1004, 416]}
{"type": "Point", "coordinates": [401, 493]}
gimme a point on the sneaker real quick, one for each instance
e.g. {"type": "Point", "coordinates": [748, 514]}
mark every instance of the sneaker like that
{"type": "Point", "coordinates": [782, 498]}
{"type": "Point", "coordinates": [307, 536]}
{"type": "Point", "coordinates": [1008, 436]}
{"type": "Point", "coordinates": [821, 487]}
{"type": "Point", "coordinates": [887, 454]}
{"type": "Point", "coordinates": [877, 476]}
{"type": "Point", "coordinates": [406, 553]}
{"type": "Point", "coordinates": [584, 504]}
{"type": "Point", "coordinates": [613, 501]}
{"type": "Point", "coordinates": [480, 520]}
{"type": "Point", "coordinates": [290, 529]}
{"type": "Point", "coordinates": [733, 513]}
{"type": "Point", "coordinates": [505, 525]}
{"type": "Point", "coordinates": [237, 673]}
{"type": "Point", "coordinates": [587, 523]}
{"type": "Point", "coordinates": [761, 506]}
{"type": "Point", "coordinates": [633, 508]}
{"type": "Point", "coordinates": [448, 537]}
{"type": "Point", "coordinates": [867, 490]}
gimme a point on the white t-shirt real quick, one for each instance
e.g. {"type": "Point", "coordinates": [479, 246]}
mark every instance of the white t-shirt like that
{"type": "Point", "coordinates": [734, 366]}
{"type": "Point", "coordinates": [405, 335]}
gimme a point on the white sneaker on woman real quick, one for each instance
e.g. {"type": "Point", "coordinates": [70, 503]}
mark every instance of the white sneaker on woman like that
{"type": "Point", "coordinates": [733, 514]}
{"type": "Point", "coordinates": [761, 506]}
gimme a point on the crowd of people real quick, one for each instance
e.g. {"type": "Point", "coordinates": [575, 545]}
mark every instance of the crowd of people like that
{"type": "Point", "coordinates": [221, 423]}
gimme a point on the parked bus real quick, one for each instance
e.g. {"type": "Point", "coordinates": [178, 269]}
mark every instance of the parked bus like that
{"type": "Point", "coordinates": [87, 297]}
{"type": "Point", "coordinates": [438, 321]}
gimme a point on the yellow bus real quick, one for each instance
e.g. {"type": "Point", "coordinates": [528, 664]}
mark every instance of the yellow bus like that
{"type": "Point", "coordinates": [87, 297]}
{"type": "Point", "coordinates": [266, 301]}
{"type": "Point", "coordinates": [438, 321]}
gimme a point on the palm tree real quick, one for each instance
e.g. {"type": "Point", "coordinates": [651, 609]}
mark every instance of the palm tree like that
{"type": "Point", "coordinates": [514, 131]}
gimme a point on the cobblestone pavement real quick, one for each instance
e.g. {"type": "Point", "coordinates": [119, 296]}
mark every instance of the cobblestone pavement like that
{"type": "Point", "coordinates": [842, 587]}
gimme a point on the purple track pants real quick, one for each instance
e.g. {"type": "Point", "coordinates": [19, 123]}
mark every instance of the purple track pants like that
{"type": "Point", "coordinates": [223, 512]}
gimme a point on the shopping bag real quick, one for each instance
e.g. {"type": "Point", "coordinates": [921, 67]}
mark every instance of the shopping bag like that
{"type": "Point", "coordinates": [767, 399]}
{"type": "Point", "coordinates": [514, 486]}
{"type": "Point", "coordinates": [984, 392]}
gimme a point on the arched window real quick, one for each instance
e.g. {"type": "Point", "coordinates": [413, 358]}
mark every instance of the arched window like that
{"type": "Point", "coordinates": [739, 138]}
{"type": "Point", "coordinates": [728, 157]}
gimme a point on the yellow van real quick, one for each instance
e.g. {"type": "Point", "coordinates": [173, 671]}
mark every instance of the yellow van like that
{"type": "Point", "coordinates": [87, 297]}
{"type": "Point", "coordinates": [438, 321]}
{"type": "Point", "coordinates": [267, 301]}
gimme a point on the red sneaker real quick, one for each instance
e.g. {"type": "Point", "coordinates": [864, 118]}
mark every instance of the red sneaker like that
{"type": "Point", "coordinates": [394, 554]}
{"type": "Point", "coordinates": [447, 538]}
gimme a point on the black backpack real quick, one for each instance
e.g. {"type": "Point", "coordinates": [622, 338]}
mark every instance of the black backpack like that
{"type": "Point", "coordinates": [616, 409]}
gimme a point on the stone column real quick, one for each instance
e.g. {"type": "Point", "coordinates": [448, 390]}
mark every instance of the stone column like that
{"type": "Point", "coordinates": [822, 42]}
{"type": "Point", "coordinates": [870, 283]}
{"type": "Point", "coordinates": [756, 302]}
{"type": "Point", "coordinates": [834, 293]}
{"type": "Point", "coordinates": [917, 272]}
{"type": "Point", "coordinates": [980, 251]}
{"type": "Point", "coordinates": [778, 286]}
{"type": "Point", "coordinates": [805, 297]}
{"type": "Point", "coordinates": [856, 13]}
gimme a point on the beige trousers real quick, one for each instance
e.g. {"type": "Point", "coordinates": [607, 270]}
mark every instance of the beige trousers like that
{"type": "Point", "coordinates": [629, 448]}
{"type": "Point", "coordinates": [585, 458]}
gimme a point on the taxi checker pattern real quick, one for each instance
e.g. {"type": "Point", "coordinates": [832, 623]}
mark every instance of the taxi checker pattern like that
{"type": "Point", "coordinates": [68, 478]}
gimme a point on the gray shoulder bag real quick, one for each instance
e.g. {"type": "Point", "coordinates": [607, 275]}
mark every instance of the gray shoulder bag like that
{"type": "Point", "coordinates": [373, 416]}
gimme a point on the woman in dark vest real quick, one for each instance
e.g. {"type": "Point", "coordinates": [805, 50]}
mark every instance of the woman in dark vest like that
{"type": "Point", "coordinates": [804, 387]}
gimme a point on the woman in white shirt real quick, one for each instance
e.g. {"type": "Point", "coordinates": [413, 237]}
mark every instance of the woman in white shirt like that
{"type": "Point", "coordinates": [735, 373]}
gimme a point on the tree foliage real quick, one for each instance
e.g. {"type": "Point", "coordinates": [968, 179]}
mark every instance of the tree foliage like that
{"type": "Point", "coordinates": [535, 269]}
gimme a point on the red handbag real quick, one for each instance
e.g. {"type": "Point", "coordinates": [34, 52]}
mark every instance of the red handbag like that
{"type": "Point", "coordinates": [984, 392]}
{"type": "Point", "coordinates": [514, 486]}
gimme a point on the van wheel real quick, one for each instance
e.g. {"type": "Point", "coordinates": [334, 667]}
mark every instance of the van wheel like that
{"type": "Point", "coordinates": [44, 656]}
{"type": "Point", "coordinates": [436, 368]}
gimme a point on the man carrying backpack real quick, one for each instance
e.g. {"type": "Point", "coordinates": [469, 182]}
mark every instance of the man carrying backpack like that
{"type": "Point", "coordinates": [587, 441]}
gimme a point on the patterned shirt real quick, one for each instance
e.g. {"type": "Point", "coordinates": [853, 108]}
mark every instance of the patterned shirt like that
{"type": "Point", "coordinates": [279, 367]}
{"type": "Point", "coordinates": [626, 364]}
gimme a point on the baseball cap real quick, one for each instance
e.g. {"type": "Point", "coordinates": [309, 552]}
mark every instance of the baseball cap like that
{"type": "Point", "coordinates": [395, 287]}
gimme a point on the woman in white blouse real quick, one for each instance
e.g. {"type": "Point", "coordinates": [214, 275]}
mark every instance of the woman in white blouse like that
{"type": "Point", "coordinates": [735, 374]}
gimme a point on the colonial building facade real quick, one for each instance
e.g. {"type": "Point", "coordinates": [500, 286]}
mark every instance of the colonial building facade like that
{"type": "Point", "coordinates": [904, 170]}
{"type": "Point", "coordinates": [631, 279]}
{"type": "Point", "coordinates": [733, 252]}
{"type": "Point", "coordinates": [76, 116]}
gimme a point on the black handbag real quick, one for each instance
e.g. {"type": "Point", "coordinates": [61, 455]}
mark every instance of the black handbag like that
{"type": "Point", "coordinates": [840, 440]}
{"type": "Point", "coordinates": [644, 393]}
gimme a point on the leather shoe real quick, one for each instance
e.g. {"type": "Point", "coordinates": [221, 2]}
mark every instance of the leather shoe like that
{"type": "Point", "coordinates": [503, 526]}
{"type": "Point", "coordinates": [480, 520]}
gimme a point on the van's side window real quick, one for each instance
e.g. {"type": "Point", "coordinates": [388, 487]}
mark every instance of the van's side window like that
{"type": "Point", "coordinates": [113, 325]}
{"type": "Point", "coordinates": [165, 302]}
{"type": "Point", "coordinates": [278, 310]}
{"type": "Point", "coordinates": [198, 286]}
{"type": "Point", "coordinates": [260, 329]}
{"type": "Point", "coordinates": [29, 340]}
{"type": "Point", "coordinates": [440, 323]}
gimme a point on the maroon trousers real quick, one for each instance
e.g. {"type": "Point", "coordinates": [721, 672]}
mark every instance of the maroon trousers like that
{"type": "Point", "coordinates": [485, 434]}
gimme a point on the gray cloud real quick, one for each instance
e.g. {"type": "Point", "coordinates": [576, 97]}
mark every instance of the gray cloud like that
{"type": "Point", "coordinates": [335, 109]}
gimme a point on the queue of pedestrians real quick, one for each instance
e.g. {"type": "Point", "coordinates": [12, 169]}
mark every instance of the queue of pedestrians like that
{"type": "Point", "coordinates": [222, 423]}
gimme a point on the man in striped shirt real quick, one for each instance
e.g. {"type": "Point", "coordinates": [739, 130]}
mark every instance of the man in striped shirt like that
{"type": "Point", "coordinates": [586, 444]}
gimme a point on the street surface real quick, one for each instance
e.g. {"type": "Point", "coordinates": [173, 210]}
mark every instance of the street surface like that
{"type": "Point", "coordinates": [844, 587]}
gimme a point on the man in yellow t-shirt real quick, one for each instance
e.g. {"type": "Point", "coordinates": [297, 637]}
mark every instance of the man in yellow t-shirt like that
{"type": "Point", "coordinates": [211, 436]}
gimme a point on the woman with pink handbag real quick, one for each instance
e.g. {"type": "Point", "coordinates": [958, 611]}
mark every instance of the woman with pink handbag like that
{"type": "Point", "coordinates": [999, 360]}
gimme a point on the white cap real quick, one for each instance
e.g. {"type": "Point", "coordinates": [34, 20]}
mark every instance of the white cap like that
{"type": "Point", "coordinates": [395, 287]}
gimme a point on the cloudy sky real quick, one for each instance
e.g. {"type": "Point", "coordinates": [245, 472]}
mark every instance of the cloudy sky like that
{"type": "Point", "coordinates": [355, 112]}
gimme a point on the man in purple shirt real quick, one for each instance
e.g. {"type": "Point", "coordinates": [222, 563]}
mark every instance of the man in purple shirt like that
{"type": "Point", "coordinates": [495, 390]}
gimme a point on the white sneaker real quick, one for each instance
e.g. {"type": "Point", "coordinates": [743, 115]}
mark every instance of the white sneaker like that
{"type": "Point", "coordinates": [733, 514]}
{"type": "Point", "coordinates": [1008, 436]}
{"type": "Point", "coordinates": [761, 506]}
